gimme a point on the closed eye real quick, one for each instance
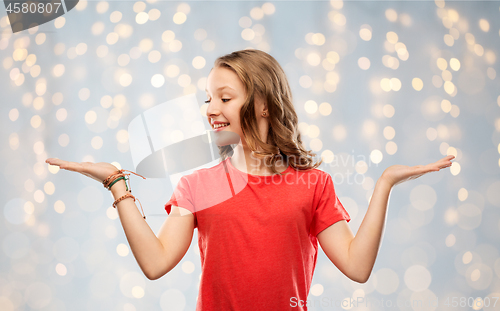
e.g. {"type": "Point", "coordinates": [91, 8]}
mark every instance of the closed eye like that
{"type": "Point", "coordinates": [223, 100]}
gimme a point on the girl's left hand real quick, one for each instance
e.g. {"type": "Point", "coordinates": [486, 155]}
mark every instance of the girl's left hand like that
{"type": "Point", "coordinates": [397, 174]}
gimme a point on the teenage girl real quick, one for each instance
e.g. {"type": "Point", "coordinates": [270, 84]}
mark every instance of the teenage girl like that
{"type": "Point", "coordinates": [262, 210]}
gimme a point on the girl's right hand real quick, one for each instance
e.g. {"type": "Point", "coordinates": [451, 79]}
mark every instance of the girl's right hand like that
{"type": "Point", "coordinates": [98, 171]}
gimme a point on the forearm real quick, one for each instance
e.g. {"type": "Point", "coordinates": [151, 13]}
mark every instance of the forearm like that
{"type": "Point", "coordinates": [365, 245]}
{"type": "Point", "coordinates": [145, 245]}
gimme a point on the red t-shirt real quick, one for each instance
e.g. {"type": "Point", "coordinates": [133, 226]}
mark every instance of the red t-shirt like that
{"type": "Point", "coordinates": [257, 234]}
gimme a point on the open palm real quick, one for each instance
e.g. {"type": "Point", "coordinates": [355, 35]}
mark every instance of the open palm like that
{"type": "Point", "coordinates": [397, 174]}
{"type": "Point", "coordinates": [98, 171]}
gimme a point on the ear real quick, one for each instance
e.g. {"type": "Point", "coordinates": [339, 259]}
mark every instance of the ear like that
{"type": "Point", "coordinates": [261, 105]}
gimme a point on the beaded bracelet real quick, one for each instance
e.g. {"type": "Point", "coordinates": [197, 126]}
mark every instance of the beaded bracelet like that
{"type": "Point", "coordinates": [128, 195]}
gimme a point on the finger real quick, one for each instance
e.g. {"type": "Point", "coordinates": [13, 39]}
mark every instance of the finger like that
{"type": "Point", "coordinates": [419, 171]}
{"type": "Point", "coordinates": [66, 165]}
{"type": "Point", "coordinates": [439, 165]}
{"type": "Point", "coordinates": [432, 167]}
{"type": "Point", "coordinates": [428, 168]}
{"type": "Point", "coordinates": [447, 162]}
{"type": "Point", "coordinates": [56, 162]}
{"type": "Point", "coordinates": [444, 162]}
{"type": "Point", "coordinates": [53, 161]}
{"type": "Point", "coordinates": [448, 158]}
{"type": "Point", "coordinates": [443, 166]}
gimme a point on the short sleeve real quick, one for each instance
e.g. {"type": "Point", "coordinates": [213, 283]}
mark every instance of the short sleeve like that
{"type": "Point", "coordinates": [182, 198]}
{"type": "Point", "coordinates": [328, 209]}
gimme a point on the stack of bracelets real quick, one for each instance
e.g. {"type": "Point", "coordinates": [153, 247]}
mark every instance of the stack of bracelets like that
{"type": "Point", "coordinates": [113, 178]}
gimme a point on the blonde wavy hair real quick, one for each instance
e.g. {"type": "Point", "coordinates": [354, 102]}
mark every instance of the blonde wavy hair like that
{"type": "Point", "coordinates": [262, 75]}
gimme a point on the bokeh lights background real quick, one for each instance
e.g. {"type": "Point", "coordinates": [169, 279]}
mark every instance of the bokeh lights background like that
{"type": "Point", "coordinates": [375, 83]}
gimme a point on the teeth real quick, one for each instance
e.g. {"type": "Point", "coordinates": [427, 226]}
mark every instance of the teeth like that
{"type": "Point", "coordinates": [220, 125]}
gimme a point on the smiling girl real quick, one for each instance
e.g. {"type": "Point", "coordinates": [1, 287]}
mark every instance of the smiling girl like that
{"type": "Point", "coordinates": [260, 212]}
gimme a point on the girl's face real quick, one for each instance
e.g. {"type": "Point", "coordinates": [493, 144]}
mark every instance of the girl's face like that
{"type": "Point", "coordinates": [225, 96]}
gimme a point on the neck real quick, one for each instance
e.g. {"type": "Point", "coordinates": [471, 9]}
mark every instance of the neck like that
{"type": "Point", "coordinates": [243, 160]}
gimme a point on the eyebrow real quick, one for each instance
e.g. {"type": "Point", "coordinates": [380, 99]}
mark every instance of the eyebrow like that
{"type": "Point", "coordinates": [221, 88]}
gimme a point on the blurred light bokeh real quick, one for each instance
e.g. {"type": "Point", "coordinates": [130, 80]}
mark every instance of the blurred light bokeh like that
{"type": "Point", "coordinates": [375, 83]}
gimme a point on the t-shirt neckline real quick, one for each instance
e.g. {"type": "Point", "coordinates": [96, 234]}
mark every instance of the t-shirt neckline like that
{"type": "Point", "coordinates": [228, 162]}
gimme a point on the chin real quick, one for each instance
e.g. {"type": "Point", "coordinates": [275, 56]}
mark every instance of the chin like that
{"type": "Point", "coordinates": [225, 138]}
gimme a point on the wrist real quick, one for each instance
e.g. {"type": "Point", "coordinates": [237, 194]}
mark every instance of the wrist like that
{"type": "Point", "coordinates": [119, 188]}
{"type": "Point", "coordinates": [383, 180]}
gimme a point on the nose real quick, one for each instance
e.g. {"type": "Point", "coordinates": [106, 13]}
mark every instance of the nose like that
{"type": "Point", "coordinates": [212, 110]}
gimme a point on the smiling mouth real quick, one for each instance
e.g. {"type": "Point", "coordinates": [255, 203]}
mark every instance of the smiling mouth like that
{"type": "Point", "coordinates": [221, 127]}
